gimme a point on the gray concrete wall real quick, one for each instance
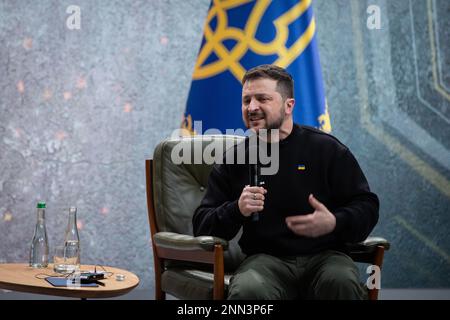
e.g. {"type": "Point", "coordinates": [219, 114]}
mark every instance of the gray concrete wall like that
{"type": "Point", "coordinates": [387, 108]}
{"type": "Point", "coordinates": [80, 110]}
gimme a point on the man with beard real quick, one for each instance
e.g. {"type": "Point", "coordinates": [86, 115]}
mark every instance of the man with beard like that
{"type": "Point", "coordinates": [317, 201]}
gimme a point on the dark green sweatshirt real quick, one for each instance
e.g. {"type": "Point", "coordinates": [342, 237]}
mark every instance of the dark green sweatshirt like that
{"type": "Point", "coordinates": [310, 162]}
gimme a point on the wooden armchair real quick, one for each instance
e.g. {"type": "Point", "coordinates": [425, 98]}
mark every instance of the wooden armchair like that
{"type": "Point", "coordinates": [190, 267]}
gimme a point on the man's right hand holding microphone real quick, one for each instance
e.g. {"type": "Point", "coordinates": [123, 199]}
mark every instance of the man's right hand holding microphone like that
{"type": "Point", "coordinates": [251, 200]}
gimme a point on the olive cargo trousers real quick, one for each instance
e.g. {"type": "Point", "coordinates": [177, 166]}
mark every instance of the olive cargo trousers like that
{"type": "Point", "coordinates": [326, 275]}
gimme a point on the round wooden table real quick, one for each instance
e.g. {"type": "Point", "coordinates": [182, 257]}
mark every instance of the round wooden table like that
{"type": "Point", "coordinates": [21, 277]}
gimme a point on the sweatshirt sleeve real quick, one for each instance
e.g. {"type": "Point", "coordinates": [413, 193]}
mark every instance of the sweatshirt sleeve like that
{"type": "Point", "coordinates": [218, 215]}
{"type": "Point", "coordinates": [356, 209]}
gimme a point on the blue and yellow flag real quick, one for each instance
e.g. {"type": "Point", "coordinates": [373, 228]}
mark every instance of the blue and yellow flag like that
{"type": "Point", "coordinates": [241, 34]}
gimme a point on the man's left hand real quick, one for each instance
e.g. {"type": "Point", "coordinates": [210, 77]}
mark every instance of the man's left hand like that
{"type": "Point", "coordinates": [315, 224]}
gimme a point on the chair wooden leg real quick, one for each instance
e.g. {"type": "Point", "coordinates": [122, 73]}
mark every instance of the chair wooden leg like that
{"type": "Point", "coordinates": [378, 261]}
{"type": "Point", "coordinates": [159, 294]}
{"type": "Point", "coordinates": [219, 273]}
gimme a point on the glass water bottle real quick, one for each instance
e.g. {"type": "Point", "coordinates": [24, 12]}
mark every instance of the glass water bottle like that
{"type": "Point", "coordinates": [39, 244]}
{"type": "Point", "coordinates": [72, 243]}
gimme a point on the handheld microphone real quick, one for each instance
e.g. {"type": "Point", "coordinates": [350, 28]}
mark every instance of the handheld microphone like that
{"type": "Point", "coordinates": [255, 181]}
{"type": "Point", "coordinates": [254, 172]}
{"type": "Point", "coordinates": [255, 215]}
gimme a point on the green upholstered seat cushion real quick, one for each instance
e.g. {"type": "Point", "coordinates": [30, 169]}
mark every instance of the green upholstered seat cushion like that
{"type": "Point", "coordinates": [194, 284]}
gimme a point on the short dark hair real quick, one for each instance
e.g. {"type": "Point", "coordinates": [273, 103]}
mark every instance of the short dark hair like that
{"type": "Point", "coordinates": [285, 83]}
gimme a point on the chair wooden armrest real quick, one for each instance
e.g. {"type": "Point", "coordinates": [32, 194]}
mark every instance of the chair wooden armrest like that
{"type": "Point", "coordinates": [187, 242]}
{"type": "Point", "coordinates": [209, 250]}
{"type": "Point", "coordinates": [366, 251]}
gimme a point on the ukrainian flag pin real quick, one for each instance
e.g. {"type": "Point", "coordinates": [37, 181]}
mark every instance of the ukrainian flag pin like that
{"type": "Point", "coordinates": [301, 167]}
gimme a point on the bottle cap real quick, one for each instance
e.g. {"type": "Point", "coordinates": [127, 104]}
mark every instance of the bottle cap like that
{"type": "Point", "coordinates": [41, 204]}
{"type": "Point", "coordinates": [120, 277]}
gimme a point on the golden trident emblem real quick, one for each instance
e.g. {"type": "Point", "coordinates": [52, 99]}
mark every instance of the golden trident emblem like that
{"type": "Point", "coordinates": [229, 59]}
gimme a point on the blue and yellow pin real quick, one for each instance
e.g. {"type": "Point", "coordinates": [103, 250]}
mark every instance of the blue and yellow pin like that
{"type": "Point", "coordinates": [301, 167]}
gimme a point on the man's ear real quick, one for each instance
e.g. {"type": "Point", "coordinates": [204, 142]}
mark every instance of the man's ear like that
{"type": "Point", "coordinates": [289, 105]}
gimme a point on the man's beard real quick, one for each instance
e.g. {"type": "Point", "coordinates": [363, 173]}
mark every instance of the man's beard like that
{"type": "Point", "coordinates": [276, 124]}
{"type": "Point", "coordinates": [269, 126]}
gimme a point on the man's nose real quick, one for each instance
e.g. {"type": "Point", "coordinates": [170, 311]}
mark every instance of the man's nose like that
{"type": "Point", "coordinates": [253, 105]}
